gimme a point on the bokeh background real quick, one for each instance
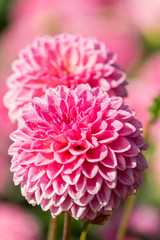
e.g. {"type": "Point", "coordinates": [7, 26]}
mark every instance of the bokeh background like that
{"type": "Point", "coordinates": [129, 28]}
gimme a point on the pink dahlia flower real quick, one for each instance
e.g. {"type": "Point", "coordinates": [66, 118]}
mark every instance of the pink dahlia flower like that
{"type": "Point", "coordinates": [18, 224]}
{"type": "Point", "coordinates": [78, 151]}
{"type": "Point", "coordinates": [62, 60]}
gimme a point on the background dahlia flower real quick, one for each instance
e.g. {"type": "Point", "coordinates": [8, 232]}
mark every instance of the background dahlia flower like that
{"type": "Point", "coordinates": [101, 19]}
{"type": "Point", "coordinates": [5, 130]}
{"type": "Point", "coordinates": [147, 78]}
{"type": "Point", "coordinates": [16, 223]}
{"type": "Point", "coordinates": [78, 151]}
{"type": "Point", "coordinates": [144, 222]}
{"type": "Point", "coordinates": [62, 60]}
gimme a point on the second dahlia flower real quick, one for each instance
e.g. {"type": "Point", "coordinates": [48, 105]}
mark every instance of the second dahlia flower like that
{"type": "Point", "coordinates": [62, 60]}
{"type": "Point", "coordinates": [78, 151]}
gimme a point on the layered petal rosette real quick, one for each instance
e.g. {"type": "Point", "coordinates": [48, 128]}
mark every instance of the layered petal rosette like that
{"type": "Point", "coordinates": [78, 151]}
{"type": "Point", "coordinates": [62, 60]}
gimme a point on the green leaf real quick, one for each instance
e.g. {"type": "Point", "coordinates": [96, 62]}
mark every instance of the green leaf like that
{"type": "Point", "coordinates": [154, 109]}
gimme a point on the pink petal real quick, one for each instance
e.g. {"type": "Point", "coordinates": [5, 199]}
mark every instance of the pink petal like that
{"type": "Point", "coordinates": [108, 137]}
{"type": "Point", "coordinates": [121, 162]}
{"type": "Point", "coordinates": [89, 169]}
{"type": "Point", "coordinates": [77, 211]}
{"type": "Point", "coordinates": [72, 166]}
{"type": "Point", "coordinates": [42, 159]}
{"type": "Point", "coordinates": [58, 199]}
{"type": "Point", "coordinates": [55, 211]}
{"type": "Point", "coordinates": [141, 162]}
{"type": "Point", "coordinates": [126, 177]}
{"type": "Point", "coordinates": [131, 162]}
{"type": "Point", "coordinates": [108, 173]}
{"type": "Point", "coordinates": [26, 158]}
{"type": "Point", "coordinates": [64, 157]}
{"type": "Point", "coordinates": [54, 169]}
{"type": "Point", "coordinates": [103, 195]}
{"type": "Point", "coordinates": [127, 129]}
{"type": "Point", "coordinates": [121, 144]}
{"type": "Point", "coordinates": [133, 151]}
{"type": "Point", "coordinates": [81, 183]}
{"type": "Point", "coordinates": [95, 205]}
{"type": "Point", "coordinates": [94, 184]}
{"type": "Point", "coordinates": [39, 145]}
{"type": "Point", "coordinates": [91, 215]}
{"type": "Point", "coordinates": [120, 190]}
{"type": "Point", "coordinates": [34, 174]}
{"type": "Point", "coordinates": [72, 178]}
{"type": "Point", "coordinates": [99, 131]}
{"type": "Point", "coordinates": [59, 185]}
{"type": "Point", "coordinates": [110, 160]}
{"type": "Point", "coordinates": [46, 204]}
{"type": "Point", "coordinates": [97, 154]}
{"type": "Point", "coordinates": [116, 125]}
{"type": "Point", "coordinates": [85, 199]}
{"type": "Point", "coordinates": [67, 204]}
{"type": "Point", "coordinates": [74, 194]}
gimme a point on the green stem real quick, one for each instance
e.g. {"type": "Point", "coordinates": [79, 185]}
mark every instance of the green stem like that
{"type": "Point", "coordinates": [67, 227]}
{"type": "Point", "coordinates": [84, 231]}
{"type": "Point", "coordinates": [125, 217]}
{"type": "Point", "coordinates": [147, 132]}
{"type": "Point", "coordinates": [52, 231]}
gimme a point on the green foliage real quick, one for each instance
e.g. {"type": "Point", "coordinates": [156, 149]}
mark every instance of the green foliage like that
{"type": "Point", "coordinates": [155, 109]}
{"type": "Point", "coordinates": [4, 10]}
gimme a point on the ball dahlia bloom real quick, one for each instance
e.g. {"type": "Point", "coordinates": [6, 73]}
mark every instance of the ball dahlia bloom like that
{"type": "Point", "coordinates": [78, 151]}
{"type": "Point", "coordinates": [62, 60]}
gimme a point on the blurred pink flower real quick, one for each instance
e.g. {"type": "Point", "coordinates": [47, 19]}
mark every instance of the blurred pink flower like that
{"type": "Point", "coordinates": [145, 220]}
{"type": "Point", "coordinates": [80, 16]}
{"type": "Point", "coordinates": [5, 129]}
{"type": "Point", "coordinates": [5, 125]}
{"type": "Point", "coordinates": [138, 89]}
{"type": "Point", "coordinates": [40, 18]}
{"type": "Point", "coordinates": [62, 60]}
{"type": "Point", "coordinates": [146, 83]}
{"type": "Point", "coordinates": [16, 223]}
{"type": "Point", "coordinates": [78, 151]}
{"type": "Point", "coordinates": [142, 19]}
{"type": "Point", "coordinates": [118, 34]}
{"type": "Point", "coordinates": [150, 71]}
{"type": "Point", "coordinates": [146, 18]}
